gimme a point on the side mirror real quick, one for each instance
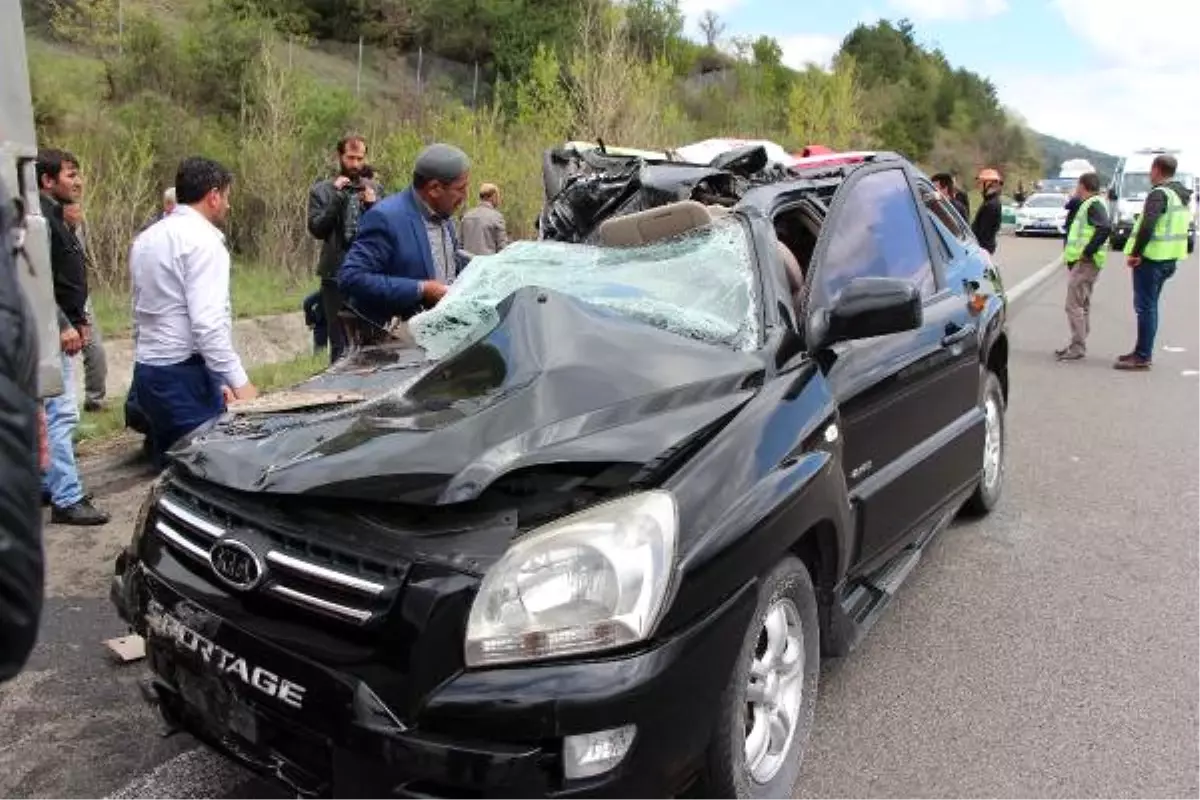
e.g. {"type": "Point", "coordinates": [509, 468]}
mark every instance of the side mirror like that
{"type": "Point", "coordinates": [1112, 193]}
{"type": "Point", "coordinates": [867, 307]}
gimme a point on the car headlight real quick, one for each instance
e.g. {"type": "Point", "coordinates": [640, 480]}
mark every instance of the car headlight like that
{"type": "Point", "coordinates": [591, 581]}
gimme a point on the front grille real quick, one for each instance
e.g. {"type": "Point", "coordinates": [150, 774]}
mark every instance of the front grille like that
{"type": "Point", "coordinates": [302, 571]}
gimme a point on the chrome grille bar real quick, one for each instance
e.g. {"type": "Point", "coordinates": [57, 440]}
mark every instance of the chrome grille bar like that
{"type": "Point", "coordinates": [330, 576]}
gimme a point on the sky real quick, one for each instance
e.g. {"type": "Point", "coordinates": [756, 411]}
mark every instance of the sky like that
{"type": "Point", "coordinates": [1098, 72]}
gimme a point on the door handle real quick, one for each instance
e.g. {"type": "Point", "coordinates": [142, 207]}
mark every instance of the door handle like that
{"type": "Point", "coordinates": [957, 333]}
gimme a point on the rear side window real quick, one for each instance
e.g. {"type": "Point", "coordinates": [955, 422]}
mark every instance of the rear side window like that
{"type": "Point", "coordinates": [877, 233]}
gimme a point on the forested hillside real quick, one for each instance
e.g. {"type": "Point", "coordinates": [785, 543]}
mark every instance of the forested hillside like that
{"type": "Point", "coordinates": [1056, 151]}
{"type": "Point", "coordinates": [268, 85]}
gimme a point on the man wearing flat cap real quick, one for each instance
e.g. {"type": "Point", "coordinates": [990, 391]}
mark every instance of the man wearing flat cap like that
{"type": "Point", "coordinates": [483, 228]}
{"type": "Point", "coordinates": [406, 251]}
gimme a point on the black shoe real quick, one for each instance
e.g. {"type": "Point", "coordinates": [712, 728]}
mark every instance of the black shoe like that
{"type": "Point", "coordinates": [82, 513]}
{"type": "Point", "coordinates": [93, 405]}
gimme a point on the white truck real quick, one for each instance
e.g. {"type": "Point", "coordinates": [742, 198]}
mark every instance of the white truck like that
{"type": "Point", "coordinates": [1074, 168]}
{"type": "Point", "coordinates": [18, 154]}
{"type": "Point", "coordinates": [1131, 183]}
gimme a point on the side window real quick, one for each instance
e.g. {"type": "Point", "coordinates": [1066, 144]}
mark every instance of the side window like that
{"type": "Point", "coordinates": [941, 209]}
{"type": "Point", "coordinates": [877, 234]}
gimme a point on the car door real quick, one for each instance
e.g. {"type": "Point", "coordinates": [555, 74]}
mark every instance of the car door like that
{"type": "Point", "coordinates": [900, 395]}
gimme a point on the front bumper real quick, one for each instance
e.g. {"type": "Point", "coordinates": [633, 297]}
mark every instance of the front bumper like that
{"type": "Point", "coordinates": [1039, 228]}
{"type": "Point", "coordinates": [486, 733]}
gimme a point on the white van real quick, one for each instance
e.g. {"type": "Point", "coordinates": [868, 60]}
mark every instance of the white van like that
{"type": "Point", "coordinates": [1131, 184]}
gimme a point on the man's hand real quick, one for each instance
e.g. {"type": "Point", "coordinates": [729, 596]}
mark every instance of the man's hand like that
{"type": "Point", "coordinates": [367, 195]}
{"type": "Point", "coordinates": [341, 182]}
{"type": "Point", "coordinates": [248, 391]}
{"type": "Point", "coordinates": [70, 341]}
{"type": "Point", "coordinates": [1133, 261]}
{"type": "Point", "coordinates": [433, 291]}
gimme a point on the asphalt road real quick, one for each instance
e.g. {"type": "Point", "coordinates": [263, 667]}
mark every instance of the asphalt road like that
{"type": "Point", "coordinates": [1050, 650]}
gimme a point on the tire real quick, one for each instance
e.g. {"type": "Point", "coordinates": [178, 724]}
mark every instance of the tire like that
{"type": "Point", "coordinates": [788, 591]}
{"type": "Point", "coordinates": [987, 493]}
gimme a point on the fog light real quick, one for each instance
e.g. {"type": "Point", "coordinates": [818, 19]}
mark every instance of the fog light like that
{"type": "Point", "coordinates": [591, 754]}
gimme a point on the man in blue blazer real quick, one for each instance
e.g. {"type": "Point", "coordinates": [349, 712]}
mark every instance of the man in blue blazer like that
{"type": "Point", "coordinates": [406, 251]}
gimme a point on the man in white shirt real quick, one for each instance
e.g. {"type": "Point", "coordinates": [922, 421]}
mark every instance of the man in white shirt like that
{"type": "Point", "coordinates": [185, 366]}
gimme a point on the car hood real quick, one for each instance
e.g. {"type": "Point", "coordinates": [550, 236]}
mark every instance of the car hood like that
{"type": "Point", "coordinates": [556, 380]}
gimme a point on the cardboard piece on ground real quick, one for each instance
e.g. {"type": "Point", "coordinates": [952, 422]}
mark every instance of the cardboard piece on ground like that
{"type": "Point", "coordinates": [293, 401]}
{"type": "Point", "coordinates": [128, 648]}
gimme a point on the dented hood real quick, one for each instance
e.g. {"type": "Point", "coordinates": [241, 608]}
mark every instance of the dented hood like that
{"type": "Point", "coordinates": [555, 380]}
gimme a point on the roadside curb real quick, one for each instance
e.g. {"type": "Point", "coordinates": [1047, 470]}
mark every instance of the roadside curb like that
{"type": "Point", "coordinates": [1034, 281]}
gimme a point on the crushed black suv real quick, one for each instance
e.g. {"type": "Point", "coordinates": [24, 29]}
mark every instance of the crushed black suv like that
{"type": "Point", "coordinates": [588, 527]}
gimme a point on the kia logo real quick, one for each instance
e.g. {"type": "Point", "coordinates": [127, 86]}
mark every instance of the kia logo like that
{"type": "Point", "coordinates": [236, 564]}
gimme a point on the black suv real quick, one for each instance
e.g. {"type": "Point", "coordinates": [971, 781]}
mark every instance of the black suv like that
{"type": "Point", "coordinates": [590, 528]}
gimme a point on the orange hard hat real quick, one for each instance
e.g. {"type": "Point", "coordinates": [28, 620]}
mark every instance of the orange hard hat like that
{"type": "Point", "coordinates": [989, 174]}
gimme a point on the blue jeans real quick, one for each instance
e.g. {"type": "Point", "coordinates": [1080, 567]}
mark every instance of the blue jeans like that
{"type": "Point", "coordinates": [61, 480]}
{"type": "Point", "coordinates": [1148, 280]}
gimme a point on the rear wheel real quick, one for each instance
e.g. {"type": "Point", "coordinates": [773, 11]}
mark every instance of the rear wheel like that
{"type": "Point", "coordinates": [766, 712]}
{"type": "Point", "coordinates": [991, 480]}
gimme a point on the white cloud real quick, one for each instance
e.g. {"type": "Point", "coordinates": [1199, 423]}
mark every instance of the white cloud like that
{"type": "Point", "coordinates": [949, 10]}
{"type": "Point", "coordinates": [1114, 110]}
{"type": "Point", "coordinates": [1161, 36]}
{"type": "Point", "coordinates": [1145, 91]}
{"type": "Point", "coordinates": [802, 49]}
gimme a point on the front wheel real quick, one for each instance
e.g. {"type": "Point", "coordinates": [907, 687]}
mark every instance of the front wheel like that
{"type": "Point", "coordinates": [991, 480]}
{"type": "Point", "coordinates": [766, 712]}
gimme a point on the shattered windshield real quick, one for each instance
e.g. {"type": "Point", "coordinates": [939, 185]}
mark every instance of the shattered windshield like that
{"type": "Point", "coordinates": [700, 285]}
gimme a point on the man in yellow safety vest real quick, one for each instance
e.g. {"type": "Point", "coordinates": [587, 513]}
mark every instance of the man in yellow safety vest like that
{"type": "Point", "coordinates": [1084, 256]}
{"type": "Point", "coordinates": [1157, 242]}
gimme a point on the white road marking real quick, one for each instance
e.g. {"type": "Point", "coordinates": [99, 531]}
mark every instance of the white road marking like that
{"type": "Point", "coordinates": [191, 774]}
{"type": "Point", "coordinates": [1034, 281]}
{"type": "Point", "coordinates": [1172, 349]}
{"type": "Point", "coordinates": [1190, 373]}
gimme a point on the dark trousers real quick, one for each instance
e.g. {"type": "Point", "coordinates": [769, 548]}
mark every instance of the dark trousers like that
{"type": "Point", "coordinates": [331, 302]}
{"type": "Point", "coordinates": [169, 402]}
{"type": "Point", "coordinates": [1148, 280]}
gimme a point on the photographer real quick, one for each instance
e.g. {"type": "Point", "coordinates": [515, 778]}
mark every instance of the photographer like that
{"type": "Point", "coordinates": [334, 208]}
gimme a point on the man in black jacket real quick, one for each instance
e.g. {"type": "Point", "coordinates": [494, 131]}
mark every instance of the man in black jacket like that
{"type": "Point", "coordinates": [334, 206]}
{"type": "Point", "coordinates": [60, 182]}
{"type": "Point", "coordinates": [944, 182]}
{"type": "Point", "coordinates": [988, 218]}
{"type": "Point", "coordinates": [21, 560]}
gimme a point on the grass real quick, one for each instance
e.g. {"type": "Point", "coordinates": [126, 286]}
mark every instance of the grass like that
{"type": "Point", "coordinates": [255, 291]}
{"type": "Point", "coordinates": [110, 422]}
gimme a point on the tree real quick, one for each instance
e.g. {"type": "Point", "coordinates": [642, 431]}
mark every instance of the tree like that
{"type": "Point", "coordinates": [654, 27]}
{"type": "Point", "coordinates": [712, 27]}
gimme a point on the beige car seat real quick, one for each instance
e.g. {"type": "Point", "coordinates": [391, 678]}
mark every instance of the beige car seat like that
{"type": "Point", "coordinates": [654, 224]}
